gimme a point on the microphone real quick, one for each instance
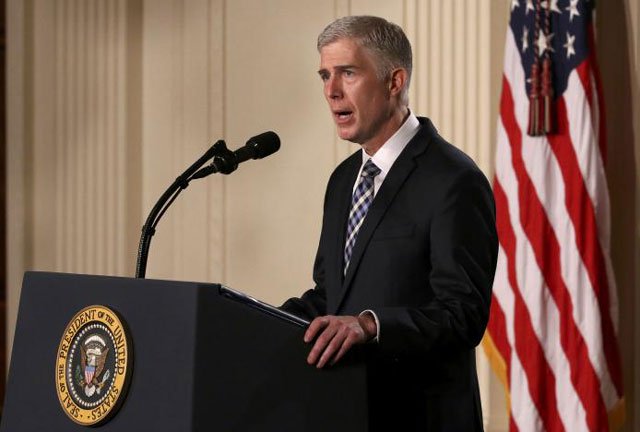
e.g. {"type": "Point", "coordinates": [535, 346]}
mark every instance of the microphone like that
{"type": "Point", "coordinates": [227, 161]}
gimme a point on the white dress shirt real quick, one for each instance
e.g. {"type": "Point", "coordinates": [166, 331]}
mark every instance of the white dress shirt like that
{"type": "Point", "coordinates": [390, 150]}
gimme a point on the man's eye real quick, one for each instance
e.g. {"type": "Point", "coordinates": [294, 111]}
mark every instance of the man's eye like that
{"type": "Point", "coordinates": [348, 73]}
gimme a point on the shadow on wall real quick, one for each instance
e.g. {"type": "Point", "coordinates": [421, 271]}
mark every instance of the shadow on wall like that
{"type": "Point", "coordinates": [616, 65]}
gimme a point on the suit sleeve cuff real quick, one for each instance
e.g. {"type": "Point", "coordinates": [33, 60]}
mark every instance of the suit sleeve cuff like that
{"type": "Point", "coordinates": [376, 339]}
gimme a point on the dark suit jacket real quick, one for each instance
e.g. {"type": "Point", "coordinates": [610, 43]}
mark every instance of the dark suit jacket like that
{"type": "Point", "coordinates": [424, 261]}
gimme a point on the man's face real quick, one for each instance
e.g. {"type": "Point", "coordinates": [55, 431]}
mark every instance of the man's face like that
{"type": "Point", "coordinates": [361, 103]}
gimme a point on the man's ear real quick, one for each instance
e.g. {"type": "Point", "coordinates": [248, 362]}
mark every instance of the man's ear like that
{"type": "Point", "coordinates": [397, 81]}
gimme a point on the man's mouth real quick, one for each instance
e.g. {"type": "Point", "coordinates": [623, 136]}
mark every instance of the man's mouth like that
{"type": "Point", "coordinates": [342, 115]}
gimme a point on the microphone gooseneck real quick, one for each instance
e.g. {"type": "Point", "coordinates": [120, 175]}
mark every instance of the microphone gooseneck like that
{"type": "Point", "coordinates": [224, 161]}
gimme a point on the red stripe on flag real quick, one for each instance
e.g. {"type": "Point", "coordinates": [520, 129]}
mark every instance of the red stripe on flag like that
{"type": "Point", "coordinates": [513, 427]}
{"type": "Point", "coordinates": [547, 252]}
{"type": "Point", "coordinates": [582, 214]}
{"type": "Point", "coordinates": [539, 375]}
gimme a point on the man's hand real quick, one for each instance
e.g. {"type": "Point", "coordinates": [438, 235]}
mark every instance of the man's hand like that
{"type": "Point", "coordinates": [336, 335]}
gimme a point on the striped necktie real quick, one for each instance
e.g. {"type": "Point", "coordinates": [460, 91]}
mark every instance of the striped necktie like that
{"type": "Point", "coordinates": [360, 202]}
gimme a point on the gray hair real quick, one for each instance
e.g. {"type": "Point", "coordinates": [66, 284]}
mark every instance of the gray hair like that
{"type": "Point", "coordinates": [384, 39]}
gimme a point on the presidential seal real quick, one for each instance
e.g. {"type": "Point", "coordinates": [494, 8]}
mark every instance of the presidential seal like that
{"type": "Point", "coordinates": [93, 366]}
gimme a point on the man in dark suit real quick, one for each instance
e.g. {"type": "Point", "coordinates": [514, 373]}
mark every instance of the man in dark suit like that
{"type": "Point", "coordinates": [408, 246]}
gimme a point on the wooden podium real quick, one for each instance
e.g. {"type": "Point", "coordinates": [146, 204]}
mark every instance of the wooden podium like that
{"type": "Point", "coordinates": [202, 361]}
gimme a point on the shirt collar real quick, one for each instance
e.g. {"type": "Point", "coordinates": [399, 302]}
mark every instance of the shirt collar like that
{"type": "Point", "coordinates": [390, 150]}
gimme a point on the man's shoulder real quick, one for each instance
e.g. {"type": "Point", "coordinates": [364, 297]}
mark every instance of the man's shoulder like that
{"type": "Point", "coordinates": [439, 153]}
{"type": "Point", "coordinates": [444, 162]}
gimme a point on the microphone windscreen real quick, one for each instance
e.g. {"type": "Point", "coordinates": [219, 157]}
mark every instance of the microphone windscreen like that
{"type": "Point", "coordinates": [264, 144]}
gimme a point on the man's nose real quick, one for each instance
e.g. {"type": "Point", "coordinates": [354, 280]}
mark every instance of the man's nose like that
{"type": "Point", "coordinates": [333, 88]}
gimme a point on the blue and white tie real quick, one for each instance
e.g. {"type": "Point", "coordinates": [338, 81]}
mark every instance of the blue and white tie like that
{"type": "Point", "coordinates": [360, 202]}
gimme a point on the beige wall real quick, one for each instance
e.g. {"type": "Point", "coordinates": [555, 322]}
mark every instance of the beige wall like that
{"type": "Point", "coordinates": [109, 100]}
{"type": "Point", "coordinates": [618, 37]}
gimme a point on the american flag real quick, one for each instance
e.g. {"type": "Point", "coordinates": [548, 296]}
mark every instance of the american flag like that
{"type": "Point", "coordinates": [552, 335]}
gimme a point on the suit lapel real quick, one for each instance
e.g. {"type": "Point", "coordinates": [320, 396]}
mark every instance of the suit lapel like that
{"type": "Point", "coordinates": [396, 177]}
{"type": "Point", "coordinates": [344, 191]}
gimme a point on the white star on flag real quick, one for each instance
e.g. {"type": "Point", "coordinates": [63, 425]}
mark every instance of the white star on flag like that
{"type": "Point", "coordinates": [514, 4]}
{"type": "Point", "coordinates": [529, 7]}
{"type": "Point", "coordinates": [573, 9]}
{"type": "Point", "coordinates": [569, 45]}
{"type": "Point", "coordinates": [554, 6]}
{"type": "Point", "coordinates": [525, 39]}
{"type": "Point", "coordinates": [544, 43]}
